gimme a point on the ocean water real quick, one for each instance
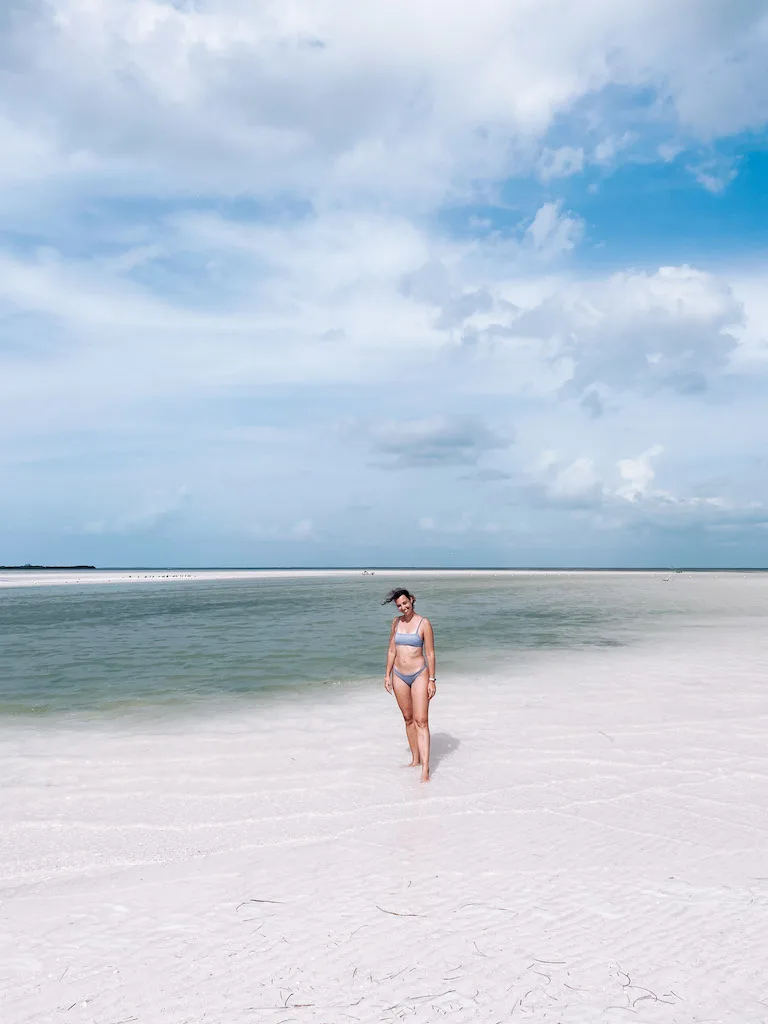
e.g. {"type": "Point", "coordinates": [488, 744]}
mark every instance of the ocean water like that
{"type": "Point", "coordinates": [116, 649]}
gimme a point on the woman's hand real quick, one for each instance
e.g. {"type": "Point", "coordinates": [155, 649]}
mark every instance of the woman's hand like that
{"type": "Point", "coordinates": [388, 683]}
{"type": "Point", "coordinates": [431, 689]}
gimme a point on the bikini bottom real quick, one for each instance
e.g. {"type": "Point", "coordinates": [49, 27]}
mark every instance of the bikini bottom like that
{"type": "Point", "coordinates": [408, 679]}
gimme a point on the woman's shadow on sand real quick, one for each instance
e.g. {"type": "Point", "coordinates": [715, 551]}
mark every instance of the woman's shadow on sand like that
{"type": "Point", "coordinates": [442, 745]}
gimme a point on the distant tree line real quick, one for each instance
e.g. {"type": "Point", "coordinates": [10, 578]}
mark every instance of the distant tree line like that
{"type": "Point", "coordinates": [5, 568]}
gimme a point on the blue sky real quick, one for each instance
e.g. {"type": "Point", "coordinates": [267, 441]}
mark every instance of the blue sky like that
{"type": "Point", "coordinates": [393, 283]}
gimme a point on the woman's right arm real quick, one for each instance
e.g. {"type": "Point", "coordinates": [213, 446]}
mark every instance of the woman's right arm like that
{"type": "Point", "coordinates": [390, 658]}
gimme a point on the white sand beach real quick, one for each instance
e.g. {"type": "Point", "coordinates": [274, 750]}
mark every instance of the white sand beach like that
{"type": "Point", "coordinates": [90, 577]}
{"type": "Point", "coordinates": [593, 846]}
{"type": "Point", "coordinates": [85, 577]}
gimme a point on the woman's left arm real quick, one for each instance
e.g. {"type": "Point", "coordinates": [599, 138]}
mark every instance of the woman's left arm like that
{"type": "Point", "coordinates": [429, 653]}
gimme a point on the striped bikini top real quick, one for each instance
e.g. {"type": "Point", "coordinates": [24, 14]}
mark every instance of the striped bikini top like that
{"type": "Point", "coordinates": [414, 639]}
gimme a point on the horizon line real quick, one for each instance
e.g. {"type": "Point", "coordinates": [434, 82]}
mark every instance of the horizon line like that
{"type": "Point", "coordinates": [385, 568]}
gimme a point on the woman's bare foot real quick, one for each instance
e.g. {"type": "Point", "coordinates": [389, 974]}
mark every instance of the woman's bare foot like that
{"type": "Point", "coordinates": [412, 764]}
{"type": "Point", "coordinates": [425, 775]}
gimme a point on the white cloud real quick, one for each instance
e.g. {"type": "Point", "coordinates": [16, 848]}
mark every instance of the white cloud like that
{"type": "Point", "coordinates": [560, 163]}
{"type": "Point", "coordinates": [751, 290]}
{"type": "Point", "coordinates": [608, 149]}
{"type": "Point", "coordinates": [267, 97]}
{"type": "Point", "coordinates": [673, 328]}
{"type": "Point", "coordinates": [551, 233]}
{"type": "Point", "coordinates": [669, 151]}
{"type": "Point", "coordinates": [568, 482]}
{"type": "Point", "coordinates": [637, 474]}
{"type": "Point", "coordinates": [623, 494]}
{"type": "Point", "coordinates": [340, 298]}
{"type": "Point", "coordinates": [714, 174]}
{"type": "Point", "coordinates": [439, 441]}
{"type": "Point", "coordinates": [576, 480]}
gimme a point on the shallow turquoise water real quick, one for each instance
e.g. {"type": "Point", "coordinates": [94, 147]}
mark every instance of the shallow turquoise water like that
{"type": "Point", "coordinates": [113, 648]}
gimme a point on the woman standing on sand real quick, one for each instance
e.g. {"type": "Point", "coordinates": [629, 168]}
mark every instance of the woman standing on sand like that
{"type": "Point", "coordinates": [411, 673]}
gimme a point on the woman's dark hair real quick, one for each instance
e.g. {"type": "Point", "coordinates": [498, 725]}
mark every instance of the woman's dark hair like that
{"type": "Point", "coordinates": [397, 593]}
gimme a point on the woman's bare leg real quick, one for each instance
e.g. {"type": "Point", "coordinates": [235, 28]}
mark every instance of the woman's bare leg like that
{"type": "Point", "coordinates": [420, 705]}
{"type": "Point", "coordinates": [403, 695]}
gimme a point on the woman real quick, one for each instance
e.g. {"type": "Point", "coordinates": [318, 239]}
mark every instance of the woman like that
{"type": "Point", "coordinates": [411, 674]}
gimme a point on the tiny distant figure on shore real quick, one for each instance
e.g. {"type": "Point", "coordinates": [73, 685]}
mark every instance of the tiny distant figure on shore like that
{"type": "Point", "coordinates": [410, 673]}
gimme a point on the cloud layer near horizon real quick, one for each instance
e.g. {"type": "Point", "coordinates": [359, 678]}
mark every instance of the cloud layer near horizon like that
{"type": "Point", "coordinates": [318, 284]}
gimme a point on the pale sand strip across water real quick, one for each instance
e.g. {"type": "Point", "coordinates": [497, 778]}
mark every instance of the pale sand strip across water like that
{"type": "Point", "coordinates": [593, 847]}
{"type": "Point", "coordinates": [67, 577]}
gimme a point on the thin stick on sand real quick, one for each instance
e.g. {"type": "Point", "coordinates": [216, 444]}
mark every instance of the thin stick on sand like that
{"type": "Point", "coordinates": [245, 902]}
{"type": "Point", "coordinates": [395, 913]}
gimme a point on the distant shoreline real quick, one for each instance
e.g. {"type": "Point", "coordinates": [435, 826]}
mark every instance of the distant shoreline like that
{"type": "Point", "coordinates": [53, 577]}
{"type": "Point", "coordinates": [381, 568]}
{"type": "Point", "coordinates": [46, 568]}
